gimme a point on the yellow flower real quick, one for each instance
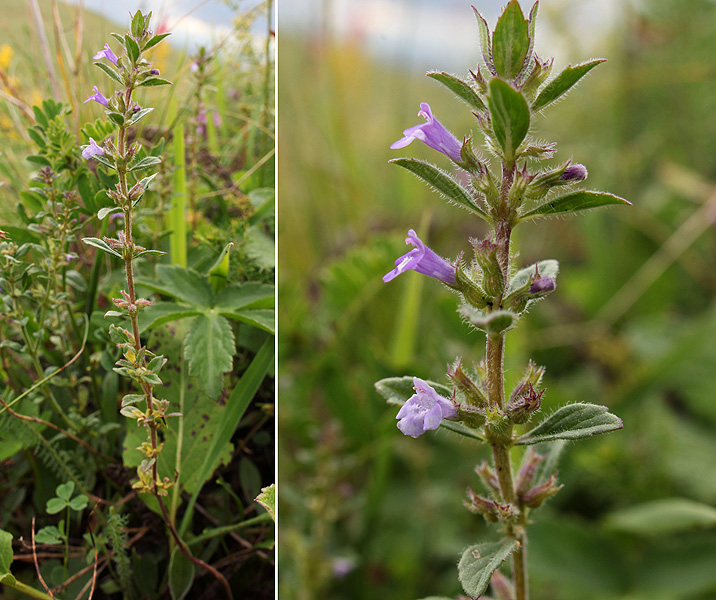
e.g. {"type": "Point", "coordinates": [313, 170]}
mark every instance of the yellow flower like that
{"type": "Point", "coordinates": [6, 54]}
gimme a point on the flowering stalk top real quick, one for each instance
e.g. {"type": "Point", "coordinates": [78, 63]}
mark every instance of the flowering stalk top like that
{"type": "Point", "coordinates": [423, 260]}
{"type": "Point", "coordinates": [433, 133]}
{"type": "Point", "coordinates": [424, 410]}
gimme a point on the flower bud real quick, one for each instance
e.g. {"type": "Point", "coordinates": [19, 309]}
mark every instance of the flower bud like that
{"type": "Point", "coordinates": [574, 173]}
{"type": "Point", "coordinates": [537, 495]}
{"type": "Point", "coordinates": [488, 477]}
{"type": "Point", "coordinates": [466, 384]}
{"type": "Point", "coordinates": [542, 286]}
{"type": "Point", "coordinates": [521, 409]}
{"type": "Point", "coordinates": [491, 510]}
{"type": "Point", "coordinates": [565, 174]}
{"type": "Point", "coordinates": [525, 476]}
{"type": "Point", "coordinates": [493, 281]}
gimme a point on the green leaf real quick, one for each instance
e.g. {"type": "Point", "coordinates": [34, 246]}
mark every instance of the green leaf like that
{"type": "Point", "coordinates": [48, 535]}
{"type": "Point", "coordinates": [234, 410]}
{"type": "Point", "coordinates": [209, 349]}
{"type": "Point", "coordinates": [138, 24]}
{"type": "Point", "coordinates": [443, 183]}
{"type": "Point", "coordinates": [510, 116]}
{"type": "Point", "coordinates": [64, 490]}
{"type": "Point", "coordinates": [79, 503]}
{"type": "Point", "coordinates": [181, 575]}
{"type": "Point", "coordinates": [146, 162]}
{"type": "Point", "coordinates": [563, 82]}
{"type": "Point", "coordinates": [485, 44]}
{"type": "Point", "coordinates": [183, 284]}
{"type": "Point", "coordinates": [153, 41]}
{"type": "Point", "coordinates": [479, 562]}
{"type": "Point", "coordinates": [573, 422]}
{"type": "Point", "coordinates": [397, 390]}
{"type": "Point", "coordinates": [115, 117]}
{"type": "Point", "coordinates": [139, 115]}
{"type": "Point", "coordinates": [251, 294]}
{"type": "Point", "coordinates": [260, 248]}
{"type": "Point", "coordinates": [663, 517]}
{"type": "Point", "coordinates": [576, 201]}
{"type": "Point", "coordinates": [5, 554]}
{"type": "Point", "coordinates": [55, 505]}
{"type": "Point", "coordinates": [219, 271]}
{"type": "Point", "coordinates": [103, 212]}
{"type": "Point", "coordinates": [102, 245]}
{"type": "Point", "coordinates": [546, 268]}
{"type": "Point", "coordinates": [511, 41]}
{"type": "Point", "coordinates": [154, 81]}
{"type": "Point", "coordinates": [267, 499]}
{"type": "Point", "coordinates": [490, 322]}
{"type": "Point", "coordinates": [132, 48]}
{"type": "Point", "coordinates": [164, 312]}
{"type": "Point", "coordinates": [262, 318]}
{"type": "Point", "coordinates": [250, 478]}
{"type": "Point", "coordinates": [130, 399]}
{"type": "Point", "coordinates": [460, 88]}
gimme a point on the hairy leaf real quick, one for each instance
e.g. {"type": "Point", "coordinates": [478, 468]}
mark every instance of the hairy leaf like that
{"type": "Point", "coordinates": [663, 517]}
{"type": "Point", "coordinates": [510, 41]}
{"type": "Point", "coordinates": [102, 245]}
{"type": "Point", "coordinates": [460, 88]}
{"type": "Point", "coordinates": [573, 422]}
{"type": "Point", "coordinates": [563, 82]}
{"type": "Point", "coordinates": [479, 562]}
{"type": "Point", "coordinates": [574, 202]}
{"type": "Point", "coordinates": [443, 183]}
{"type": "Point", "coordinates": [510, 116]}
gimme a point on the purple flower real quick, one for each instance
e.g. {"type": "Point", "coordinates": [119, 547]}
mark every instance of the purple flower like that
{"type": "Point", "coordinates": [433, 133]}
{"type": "Point", "coordinates": [106, 53]}
{"type": "Point", "coordinates": [194, 67]}
{"type": "Point", "coordinates": [92, 150]}
{"type": "Point", "coordinates": [98, 97]}
{"type": "Point", "coordinates": [543, 285]}
{"type": "Point", "coordinates": [424, 410]}
{"type": "Point", "coordinates": [574, 173]}
{"type": "Point", "coordinates": [423, 260]}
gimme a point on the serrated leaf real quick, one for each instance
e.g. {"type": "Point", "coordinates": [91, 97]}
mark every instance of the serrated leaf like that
{"type": "Point", "coordinates": [546, 268]}
{"type": "Point", "coordinates": [663, 517]}
{"type": "Point", "coordinates": [574, 202]}
{"type": "Point", "coordinates": [485, 43]}
{"type": "Point", "coordinates": [563, 82]}
{"type": "Point", "coordinates": [573, 422]}
{"type": "Point", "coordinates": [443, 183]}
{"type": "Point", "coordinates": [183, 284]}
{"type": "Point", "coordinates": [154, 81]}
{"type": "Point", "coordinates": [510, 116]}
{"type": "Point", "coordinates": [460, 88]}
{"type": "Point", "coordinates": [251, 294]}
{"type": "Point", "coordinates": [181, 575]}
{"type": "Point", "coordinates": [260, 248]}
{"type": "Point", "coordinates": [267, 499]}
{"type": "Point", "coordinates": [479, 562]}
{"type": "Point", "coordinates": [102, 245]}
{"type": "Point", "coordinates": [103, 212]}
{"type": "Point", "coordinates": [209, 349]}
{"type": "Point", "coordinates": [510, 41]}
{"type": "Point", "coordinates": [164, 312]}
{"type": "Point", "coordinates": [263, 318]}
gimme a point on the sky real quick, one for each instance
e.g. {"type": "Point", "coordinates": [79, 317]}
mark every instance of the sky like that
{"type": "Point", "coordinates": [192, 22]}
{"type": "Point", "coordinates": [424, 33]}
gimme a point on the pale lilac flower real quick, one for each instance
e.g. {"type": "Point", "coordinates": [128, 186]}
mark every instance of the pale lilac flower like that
{"type": "Point", "coordinates": [574, 173]}
{"type": "Point", "coordinates": [433, 133]}
{"type": "Point", "coordinates": [424, 410]}
{"type": "Point", "coordinates": [194, 67]}
{"type": "Point", "coordinates": [106, 53]}
{"type": "Point", "coordinates": [92, 149]}
{"type": "Point", "coordinates": [423, 260]}
{"type": "Point", "coordinates": [98, 97]}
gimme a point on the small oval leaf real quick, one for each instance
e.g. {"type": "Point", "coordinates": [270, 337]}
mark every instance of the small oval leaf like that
{"type": "Point", "coordinates": [479, 562]}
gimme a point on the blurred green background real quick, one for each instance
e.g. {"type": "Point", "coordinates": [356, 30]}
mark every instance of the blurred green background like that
{"type": "Point", "coordinates": [367, 513]}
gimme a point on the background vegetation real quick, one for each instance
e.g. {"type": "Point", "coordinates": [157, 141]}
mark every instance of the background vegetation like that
{"type": "Point", "coordinates": [367, 513]}
{"type": "Point", "coordinates": [68, 463]}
